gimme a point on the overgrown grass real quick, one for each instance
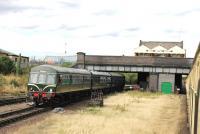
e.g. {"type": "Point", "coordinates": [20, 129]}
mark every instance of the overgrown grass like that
{"type": "Point", "coordinates": [91, 110]}
{"type": "Point", "coordinates": [12, 84]}
{"type": "Point", "coordinates": [119, 115]}
{"type": "Point", "coordinates": [144, 94]}
{"type": "Point", "coordinates": [121, 108]}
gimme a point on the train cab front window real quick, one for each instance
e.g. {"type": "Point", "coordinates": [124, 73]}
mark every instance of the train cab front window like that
{"type": "Point", "coordinates": [42, 78]}
{"type": "Point", "coordinates": [33, 77]}
{"type": "Point", "coordinates": [51, 79]}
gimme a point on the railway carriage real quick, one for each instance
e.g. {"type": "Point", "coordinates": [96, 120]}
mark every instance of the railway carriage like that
{"type": "Point", "coordinates": [101, 80]}
{"type": "Point", "coordinates": [118, 82]}
{"type": "Point", "coordinates": [53, 84]}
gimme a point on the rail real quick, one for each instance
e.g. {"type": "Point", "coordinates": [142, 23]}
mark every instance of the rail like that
{"type": "Point", "coordinates": [14, 116]}
{"type": "Point", "coordinates": [7, 101]}
{"type": "Point", "coordinates": [193, 95]}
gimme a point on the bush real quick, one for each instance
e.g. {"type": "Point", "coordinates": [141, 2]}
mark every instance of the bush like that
{"type": "Point", "coordinates": [7, 66]}
{"type": "Point", "coordinates": [67, 64]}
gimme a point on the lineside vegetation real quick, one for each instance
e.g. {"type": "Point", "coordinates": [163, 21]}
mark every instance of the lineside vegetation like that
{"type": "Point", "coordinates": [12, 84]}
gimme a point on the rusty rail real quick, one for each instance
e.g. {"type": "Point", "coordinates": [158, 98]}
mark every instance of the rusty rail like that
{"type": "Point", "coordinates": [7, 101]}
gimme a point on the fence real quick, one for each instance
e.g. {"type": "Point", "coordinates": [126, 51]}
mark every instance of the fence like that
{"type": "Point", "coordinates": [193, 95]}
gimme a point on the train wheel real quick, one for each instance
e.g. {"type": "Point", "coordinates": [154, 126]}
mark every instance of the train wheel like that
{"type": "Point", "coordinates": [36, 103]}
{"type": "Point", "coordinates": [58, 101]}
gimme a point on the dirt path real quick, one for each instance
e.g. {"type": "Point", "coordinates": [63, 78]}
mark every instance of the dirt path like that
{"type": "Point", "coordinates": [124, 113]}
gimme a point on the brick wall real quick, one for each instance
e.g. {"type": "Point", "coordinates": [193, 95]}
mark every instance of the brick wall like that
{"type": "Point", "coordinates": [153, 81]}
{"type": "Point", "coordinates": [166, 78]}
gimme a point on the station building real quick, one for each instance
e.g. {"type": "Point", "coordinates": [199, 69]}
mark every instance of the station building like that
{"type": "Point", "coordinates": [160, 49]}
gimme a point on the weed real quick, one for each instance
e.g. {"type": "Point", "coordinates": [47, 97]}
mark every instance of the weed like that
{"type": "Point", "coordinates": [2, 80]}
{"type": "Point", "coordinates": [11, 84]}
{"type": "Point", "coordinates": [92, 110]}
{"type": "Point", "coordinates": [139, 94]}
{"type": "Point", "coordinates": [121, 108]}
{"type": "Point", "coordinates": [14, 83]}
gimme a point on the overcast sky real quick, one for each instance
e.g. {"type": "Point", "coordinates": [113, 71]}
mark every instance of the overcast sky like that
{"type": "Point", "coordinates": [100, 27]}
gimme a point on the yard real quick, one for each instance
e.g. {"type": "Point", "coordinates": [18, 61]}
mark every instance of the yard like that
{"type": "Point", "coordinates": [131, 112]}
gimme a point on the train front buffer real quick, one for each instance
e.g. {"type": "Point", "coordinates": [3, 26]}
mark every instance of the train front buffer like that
{"type": "Point", "coordinates": [40, 94]}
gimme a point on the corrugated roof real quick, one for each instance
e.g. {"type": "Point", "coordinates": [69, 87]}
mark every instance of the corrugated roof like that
{"type": "Point", "coordinates": [138, 61]}
{"type": "Point", "coordinates": [167, 45]}
{"type": "Point", "coordinates": [10, 53]}
{"type": "Point", "coordinates": [6, 52]}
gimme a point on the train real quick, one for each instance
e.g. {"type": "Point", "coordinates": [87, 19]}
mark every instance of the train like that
{"type": "Point", "coordinates": [50, 84]}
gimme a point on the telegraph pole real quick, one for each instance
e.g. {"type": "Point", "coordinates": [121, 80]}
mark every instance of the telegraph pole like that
{"type": "Point", "coordinates": [65, 48]}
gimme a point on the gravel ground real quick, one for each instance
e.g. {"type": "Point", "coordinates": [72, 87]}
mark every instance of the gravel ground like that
{"type": "Point", "coordinates": [122, 113]}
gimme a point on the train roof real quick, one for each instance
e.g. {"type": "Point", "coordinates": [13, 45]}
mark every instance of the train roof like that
{"type": "Point", "coordinates": [57, 69]}
{"type": "Point", "coordinates": [116, 74]}
{"type": "Point", "coordinates": [100, 73]}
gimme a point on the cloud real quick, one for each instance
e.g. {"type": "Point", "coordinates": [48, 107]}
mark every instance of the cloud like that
{"type": "Point", "coordinates": [29, 27]}
{"type": "Point", "coordinates": [117, 33]}
{"type": "Point", "coordinates": [132, 29]}
{"type": "Point", "coordinates": [72, 28]}
{"type": "Point", "coordinates": [7, 6]}
{"type": "Point", "coordinates": [112, 34]}
{"type": "Point", "coordinates": [69, 4]}
{"type": "Point", "coordinates": [105, 13]}
{"type": "Point", "coordinates": [170, 31]}
{"type": "Point", "coordinates": [186, 12]}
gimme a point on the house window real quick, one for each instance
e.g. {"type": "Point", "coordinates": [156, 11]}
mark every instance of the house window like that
{"type": "Point", "coordinates": [15, 59]}
{"type": "Point", "coordinates": [24, 60]}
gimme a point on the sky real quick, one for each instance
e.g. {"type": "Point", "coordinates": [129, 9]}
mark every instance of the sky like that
{"type": "Point", "coordinates": [96, 27]}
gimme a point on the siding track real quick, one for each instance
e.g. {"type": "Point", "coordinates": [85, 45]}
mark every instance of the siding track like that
{"type": "Point", "coordinates": [9, 117]}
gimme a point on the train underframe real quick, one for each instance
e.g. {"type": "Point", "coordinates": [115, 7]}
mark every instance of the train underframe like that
{"type": "Point", "coordinates": [60, 99]}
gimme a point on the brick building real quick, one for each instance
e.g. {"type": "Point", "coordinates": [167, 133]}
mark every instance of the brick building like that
{"type": "Point", "coordinates": [161, 49]}
{"type": "Point", "coordinates": [15, 57]}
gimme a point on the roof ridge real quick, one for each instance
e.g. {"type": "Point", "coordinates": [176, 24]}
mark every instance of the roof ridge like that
{"type": "Point", "coordinates": [164, 41]}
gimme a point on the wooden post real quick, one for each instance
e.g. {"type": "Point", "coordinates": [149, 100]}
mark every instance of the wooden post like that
{"type": "Point", "coordinates": [18, 69]}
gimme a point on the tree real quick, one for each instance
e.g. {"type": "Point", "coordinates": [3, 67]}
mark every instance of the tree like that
{"type": "Point", "coordinates": [67, 64]}
{"type": "Point", "coordinates": [7, 66]}
{"type": "Point", "coordinates": [131, 78]}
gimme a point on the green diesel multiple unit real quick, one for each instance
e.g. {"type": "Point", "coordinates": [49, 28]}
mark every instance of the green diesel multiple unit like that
{"type": "Point", "coordinates": [48, 83]}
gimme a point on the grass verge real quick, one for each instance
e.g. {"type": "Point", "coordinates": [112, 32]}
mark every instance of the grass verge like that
{"type": "Point", "coordinates": [13, 85]}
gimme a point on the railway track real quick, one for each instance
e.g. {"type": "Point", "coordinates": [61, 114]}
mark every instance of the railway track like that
{"type": "Point", "coordinates": [12, 116]}
{"type": "Point", "coordinates": [7, 101]}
